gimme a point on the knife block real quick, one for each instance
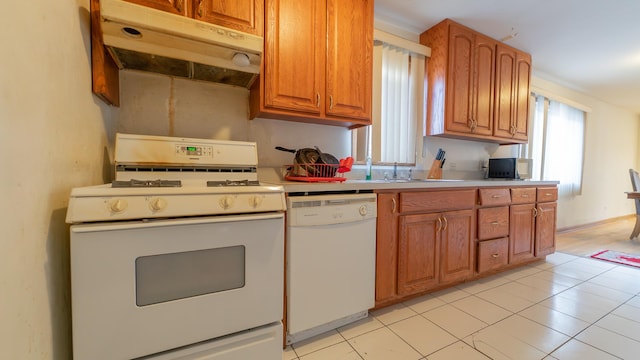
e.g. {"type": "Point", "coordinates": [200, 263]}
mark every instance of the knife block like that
{"type": "Point", "coordinates": [436, 171]}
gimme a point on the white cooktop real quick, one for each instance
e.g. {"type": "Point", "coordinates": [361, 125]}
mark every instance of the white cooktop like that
{"type": "Point", "coordinates": [192, 163]}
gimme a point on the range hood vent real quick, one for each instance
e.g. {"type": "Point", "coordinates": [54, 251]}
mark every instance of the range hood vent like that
{"type": "Point", "coordinates": [146, 39]}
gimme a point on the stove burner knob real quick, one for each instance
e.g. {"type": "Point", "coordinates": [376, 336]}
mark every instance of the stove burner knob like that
{"type": "Point", "coordinates": [118, 205]}
{"type": "Point", "coordinates": [255, 201]}
{"type": "Point", "coordinates": [158, 204]}
{"type": "Point", "coordinates": [226, 202]}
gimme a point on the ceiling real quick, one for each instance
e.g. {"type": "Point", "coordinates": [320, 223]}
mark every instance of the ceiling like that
{"type": "Point", "coordinates": [592, 46]}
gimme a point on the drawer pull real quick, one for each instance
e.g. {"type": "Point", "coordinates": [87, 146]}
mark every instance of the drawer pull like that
{"type": "Point", "coordinates": [495, 223]}
{"type": "Point", "coordinates": [524, 195]}
{"type": "Point", "coordinates": [548, 194]}
{"type": "Point", "coordinates": [495, 255]}
{"type": "Point", "coordinates": [495, 196]}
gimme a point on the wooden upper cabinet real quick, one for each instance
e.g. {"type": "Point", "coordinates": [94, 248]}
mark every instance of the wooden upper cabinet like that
{"type": "Point", "coordinates": [317, 62]}
{"type": "Point", "coordinates": [178, 7]}
{"type": "Point", "coordinates": [471, 93]}
{"type": "Point", "coordinates": [242, 15]}
{"type": "Point", "coordinates": [513, 71]}
{"type": "Point", "coordinates": [293, 73]}
{"type": "Point", "coordinates": [461, 81]}
{"type": "Point", "coordinates": [349, 58]}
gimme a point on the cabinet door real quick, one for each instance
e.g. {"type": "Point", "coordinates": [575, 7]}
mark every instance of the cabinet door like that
{"type": "Point", "coordinates": [483, 85]}
{"type": "Point", "coordinates": [505, 90]}
{"type": "Point", "coordinates": [457, 247]}
{"type": "Point", "coordinates": [179, 7]}
{"type": "Point", "coordinates": [241, 15]}
{"type": "Point", "coordinates": [459, 80]}
{"type": "Point", "coordinates": [386, 248]}
{"type": "Point", "coordinates": [521, 233]}
{"type": "Point", "coordinates": [418, 252]}
{"type": "Point", "coordinates": [349, 58]}
{"type": "Point", "coordinates": [546, 229]}
{"type": "Point", "coordinates": [294, 55]}
{"type": "Point", "coordinates": [522, 96]}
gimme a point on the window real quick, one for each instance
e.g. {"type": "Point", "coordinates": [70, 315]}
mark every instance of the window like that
{"type": "Point", "coordinates": [398, 94]}
{"type": "Point", "coordinates": [557, 144]}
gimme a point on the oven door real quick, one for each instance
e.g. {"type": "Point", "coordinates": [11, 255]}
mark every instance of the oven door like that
{"type": "Point", "coordinates": [143, 287]}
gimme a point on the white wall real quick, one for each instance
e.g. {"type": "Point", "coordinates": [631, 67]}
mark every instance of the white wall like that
{"type": "Point", "coordinates": [53, 137]}
{"type": "Point", "coordinates": [611, 149]}
{"type": "Point", "coordinates": [159, 105]}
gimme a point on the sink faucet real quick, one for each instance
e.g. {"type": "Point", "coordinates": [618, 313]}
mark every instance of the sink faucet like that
{"type": "Point", "coordinates": [395, 170]}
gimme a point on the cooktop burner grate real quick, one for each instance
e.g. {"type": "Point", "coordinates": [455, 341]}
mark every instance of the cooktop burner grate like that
{"type": "Point", "coordinates": [146, 183]}
{"type": "Point", "coordinates": [233, 183]}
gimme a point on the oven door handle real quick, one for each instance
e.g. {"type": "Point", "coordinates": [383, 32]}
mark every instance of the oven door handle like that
{"type": "Point", "coordinates": [80, 228]}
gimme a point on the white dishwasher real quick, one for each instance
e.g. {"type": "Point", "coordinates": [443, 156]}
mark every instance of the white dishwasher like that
{"type": "Point", "coordinates": [331, 250]}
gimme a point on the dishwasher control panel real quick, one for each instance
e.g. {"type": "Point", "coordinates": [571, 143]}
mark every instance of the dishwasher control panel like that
{"type": "Point", "coordinates": [330, 209]}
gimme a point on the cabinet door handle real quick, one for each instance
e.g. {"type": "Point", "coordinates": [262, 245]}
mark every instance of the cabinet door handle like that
{"type": "Point", "coordinates": [179, 6]}
{"type": "Point", "coordinates": [393, 205]}
{"type": "Point", "coordinates": [439, 225]}
{"type": "Point", "coordinates": [330, 102]}
{"type": "Point", "coordinates": [535, 212]}
{"type": "Point", "coordinates": [444, 219]}
{"type": "Point", "coordinates": [318, 99]}
{"type": "Point", "coordinates": [200, 2]}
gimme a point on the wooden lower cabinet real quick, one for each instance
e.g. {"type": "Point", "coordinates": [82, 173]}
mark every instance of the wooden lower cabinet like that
{"type": "Point", "coordinates": [457, 250]}
{"type": "Point", "coordinates": [522, 232]}
{"type": "Point", "coordinates": [428, 240]}
{"type": "Point", "coordinates": [387, 248]}
{"type": "Point", "coordinates": [420, 248]}
{"type": "Point", "coordinates": [418, 253]}
{"type": "Point", "coordinates": [546, 229]}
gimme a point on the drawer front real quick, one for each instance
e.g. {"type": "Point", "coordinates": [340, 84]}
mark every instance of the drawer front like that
{"type": "Point", "coordinates": [432, 201]}
{"type": "Point", "coordinates": [523, 195]}
{"type": "Point", "coordinates": [547, 194]}
{"type": "Point", "coordinates": [493, 222]}
{"type": "Point", "coordinates": [492, 254]}
{"type": "Point", "coordinates": [493, 197]}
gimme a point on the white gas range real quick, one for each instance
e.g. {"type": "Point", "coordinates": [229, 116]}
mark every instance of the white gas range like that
{"type": "Point", "coordinates": [182, 254]}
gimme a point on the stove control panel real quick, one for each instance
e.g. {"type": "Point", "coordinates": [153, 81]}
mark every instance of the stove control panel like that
{"type": "Point", "coordinates": [131, 207]}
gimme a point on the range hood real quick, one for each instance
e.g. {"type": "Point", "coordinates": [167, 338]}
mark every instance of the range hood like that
{"type": "Point", "coordinates": [146, 39]}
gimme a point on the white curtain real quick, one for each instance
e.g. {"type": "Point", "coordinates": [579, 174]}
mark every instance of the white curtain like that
{"type": "Point", "coordinates": [564, 147]}
{"type": "Point", "coordinates": [401, 88]}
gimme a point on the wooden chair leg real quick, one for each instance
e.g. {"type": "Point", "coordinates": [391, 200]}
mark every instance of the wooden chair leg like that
{"type": "Point", "coordinates": [636, 229]}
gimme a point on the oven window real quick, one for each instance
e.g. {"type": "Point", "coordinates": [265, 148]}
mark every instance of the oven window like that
{"type": "Point", "coordinates": [167, 277]}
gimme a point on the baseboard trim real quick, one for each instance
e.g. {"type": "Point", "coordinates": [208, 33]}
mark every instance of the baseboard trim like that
{"type": "Point", "coordinates": [589, 225]}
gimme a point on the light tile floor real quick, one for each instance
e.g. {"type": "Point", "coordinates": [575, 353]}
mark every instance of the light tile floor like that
{"type": "Point", "coordinates": [566, 307]}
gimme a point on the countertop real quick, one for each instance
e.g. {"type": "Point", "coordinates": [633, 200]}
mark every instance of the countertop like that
{"type": "Point", "coordinates": [401, 184]}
